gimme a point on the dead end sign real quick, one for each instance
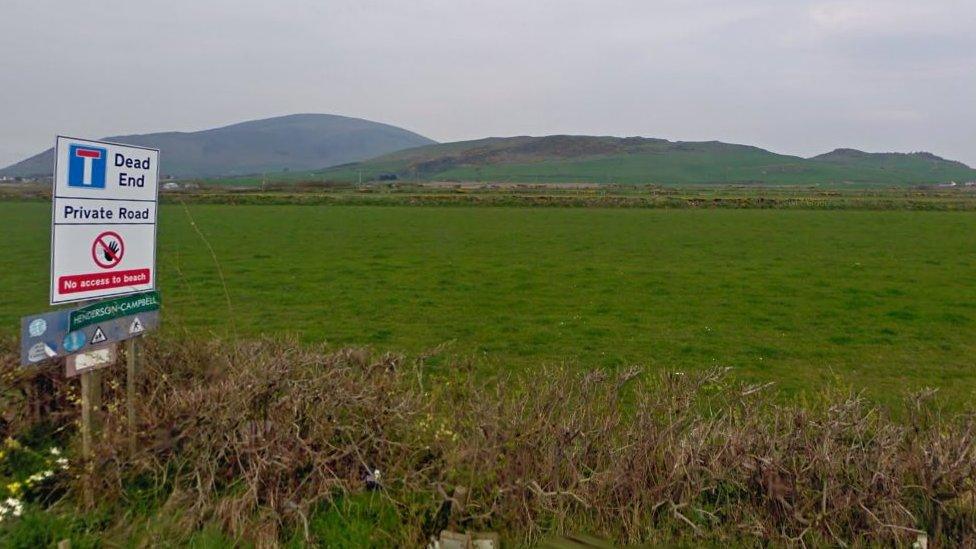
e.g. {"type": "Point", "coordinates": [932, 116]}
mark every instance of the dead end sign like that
{"type": "Point", "coordinates": [103, 233]}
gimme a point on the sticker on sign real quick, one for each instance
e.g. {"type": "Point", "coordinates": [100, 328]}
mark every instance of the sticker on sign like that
{"type": "Point", "coordinates": [103, 233]}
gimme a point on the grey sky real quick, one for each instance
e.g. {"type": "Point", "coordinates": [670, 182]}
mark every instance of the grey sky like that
{"type": "Point", "coordinates": [795, 76]}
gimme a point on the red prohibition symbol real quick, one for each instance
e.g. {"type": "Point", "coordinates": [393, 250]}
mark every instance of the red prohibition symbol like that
{"type": "Point", "coordinates": [107, 249]}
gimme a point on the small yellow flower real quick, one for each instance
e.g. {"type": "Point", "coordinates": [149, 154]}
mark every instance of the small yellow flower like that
{"type": "Point", "coordinates": [14, 488]}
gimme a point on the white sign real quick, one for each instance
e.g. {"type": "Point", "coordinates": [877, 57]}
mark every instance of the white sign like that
{"type": "Point", "coordinates": [103, 223]}
{"type": "Point", "coordinates": [92, 359]}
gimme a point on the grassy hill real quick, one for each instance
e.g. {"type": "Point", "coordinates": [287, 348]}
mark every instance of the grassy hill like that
{"type": "Point", "coordinates": [295, 142]}
{"type": "Point", "coordinates": [633, 160]}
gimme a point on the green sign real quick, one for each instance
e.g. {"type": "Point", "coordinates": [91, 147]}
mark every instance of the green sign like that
{"type": "Point", "coordinates": [114, 308]}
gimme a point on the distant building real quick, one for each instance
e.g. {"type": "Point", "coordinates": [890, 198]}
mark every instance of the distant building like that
{"type": "Point", "coordinates": [171, 186]}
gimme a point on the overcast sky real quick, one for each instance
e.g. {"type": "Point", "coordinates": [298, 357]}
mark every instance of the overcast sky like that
{"type": "Point", "coordinates": [794, 76]}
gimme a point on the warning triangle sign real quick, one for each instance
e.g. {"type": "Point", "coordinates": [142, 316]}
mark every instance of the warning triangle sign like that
{"type": "Point", "coordinates": [136, 326]}
{"type": "Point", "coordinates": [98, 336]}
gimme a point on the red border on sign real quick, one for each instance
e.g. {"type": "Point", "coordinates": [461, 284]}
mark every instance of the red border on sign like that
{"type": "Point", "coordinates": [116, 256]}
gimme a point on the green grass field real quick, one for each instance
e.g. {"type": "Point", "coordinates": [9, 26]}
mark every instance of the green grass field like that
{"type": "Point", "coordinates": [882, 301]}
{"type": "Point", "coordinates": [679, 169]}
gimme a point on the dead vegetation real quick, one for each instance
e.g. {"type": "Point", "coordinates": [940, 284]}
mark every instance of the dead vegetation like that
{"type": "Point", "coordinates": [254, 436]}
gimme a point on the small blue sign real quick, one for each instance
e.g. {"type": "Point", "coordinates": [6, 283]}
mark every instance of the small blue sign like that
{"type": "Point", "coordinates": [58, 339]}
{"type": "Point", "coordinates": [86, 166]}
{"type": "Point", "coordinates": [74, 341]}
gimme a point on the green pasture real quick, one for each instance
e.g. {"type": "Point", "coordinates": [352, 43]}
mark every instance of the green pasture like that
{"type": "Point", "coordinates": [878, 300]}
{"type": "Point", "coordinates": [673, 169]}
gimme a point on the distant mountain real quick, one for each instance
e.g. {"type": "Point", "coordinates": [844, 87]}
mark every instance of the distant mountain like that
{"type": "Point", "coordinates": [905, 161]}
{"type": "Point", "coordinates": [295, 142]}
{"type": "Point", "coordinates": [592, 159]}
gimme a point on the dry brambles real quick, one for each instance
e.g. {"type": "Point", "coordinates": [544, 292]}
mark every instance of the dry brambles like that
{"type": "Point", "coordinates": [254, 436]}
